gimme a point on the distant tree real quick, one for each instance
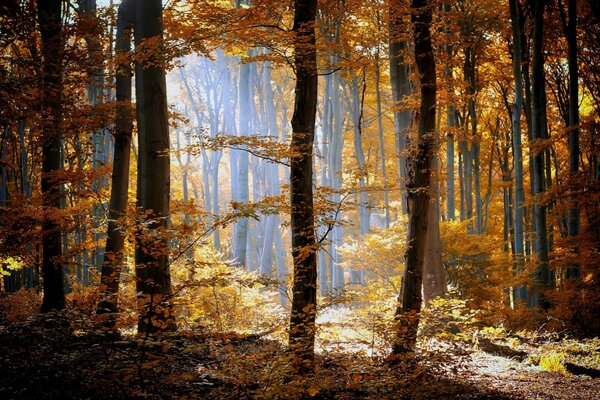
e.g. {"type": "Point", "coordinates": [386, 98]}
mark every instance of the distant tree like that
{"type": "Point", "coordinates": [401, 88]}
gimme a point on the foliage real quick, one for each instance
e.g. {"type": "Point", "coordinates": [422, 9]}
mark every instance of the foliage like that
{"type": "Point", "coordinates": [553, 362]}
{"type": "Point", "coordinates": [214, 296]}
{"type": "Point", "coordinates": [380, 253]}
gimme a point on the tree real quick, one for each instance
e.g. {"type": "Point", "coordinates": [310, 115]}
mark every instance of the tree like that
{"type": "Point", "coordinates": [517, 110]}
{"type": "Point", "coordinates": [246, 94]}
{"type": "Point", "coordinates": [399, 79]}
{"type": "Point", "coordinates": [153, 280]}
{"type": "Point", "coordinates": [304, 246]}
{"type": "Point", "coordinates": [538, 124]}
{"type": "Point", "coordinates": [571, 33]}
{"type": "Point", "coordinates": [115, 239]}
{"type": "Point", "coordinates": [419, 176]}
{"type": "Point", "coordinates": [50, 20]}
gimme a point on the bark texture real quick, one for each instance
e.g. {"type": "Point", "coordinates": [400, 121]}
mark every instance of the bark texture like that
{"type": "Point", "coordinates": [520, 294]}
{"type": "Point", "coordinates": [115, 239]}
{"type": "Point", "coordinates": [50, 20]}
{"type": "Point", "coordinates": [153, 280]}
{"type": "Point", "coordinates": [538, 125]}
{"type": "Point", "coordinates": [419, 174]}
{"type": "Point", "coordinates": [401, 89]}
{"type": "Point", "coordinates": [304, 246]}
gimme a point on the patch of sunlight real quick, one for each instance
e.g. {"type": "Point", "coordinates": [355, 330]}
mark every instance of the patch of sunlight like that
{"type": "Point", "coordinates": [338, 332]}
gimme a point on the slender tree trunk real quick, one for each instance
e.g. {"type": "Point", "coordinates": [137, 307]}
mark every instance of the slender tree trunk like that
{"type": "Point", "coordinates": [461, 186]}
{"type": "Point", "coordinates": [401, 90]}
{"type": "Point", "coordinates": [386, 194]}
{"type": "Point", "coordinates": [520, 293]}
{"type": "Point", "coordinates": [537, 126]}
{"type": "Point", "coordinates": [153, 280]}
{"type": "Point", "coordinates": [323, 259]}
{"type": "Point", "coordinates": [99, 136]}
{"type": "Point", "coordinates": [3, 167]}
{"type": "Point", "coordinates": [335, 160]}
{"type": "Point", "coordinates": [419, 173]}
{"type": "Point", "coordinates": [434, 274]}
{"type": "Point", "coordinates": [115, 239]}
{"type": "Point", "coordinates": [574, 270]}
{"type": "Point", "coordinates": [271, 172]}
{"type": "Point", "coordinates": [241, 231]}
{"type": "Point", "coordinates": [50, 20]}
{"type": "Point", "coordinates": [304, 246]}
{"type": "Point", "coordinates": [467, 164]}
{"type": "Point", "coordinates": [357, 114]}
{"type": "Point", "coordinates": [26, 190]}
{"type": "Point", "coordinates": [451, 124]}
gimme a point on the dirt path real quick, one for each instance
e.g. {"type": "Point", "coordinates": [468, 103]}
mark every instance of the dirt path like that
{"type": "Point", "coordinates": [520, 380]}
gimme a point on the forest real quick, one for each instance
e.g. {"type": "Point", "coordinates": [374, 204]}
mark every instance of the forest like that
{"type": "Point", "coordinates": [300, 199]}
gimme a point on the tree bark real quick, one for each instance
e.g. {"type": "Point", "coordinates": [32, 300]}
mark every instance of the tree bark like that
{"type": "Point", "coordinates": [520, 293]}
{"type": "Point", "coordinates": [434, 274]}
{"type": "Point", "coordinates": [451, 124]}
{"type": "Point", "coordinates": [50, 20]}
{"type": "Point", "coordinates": [537, 127]}
{"type": "Point", "coordinates": [115, 238]}
{"type": "Point", "coordinates": [419, 174]}
{"type": "Point", "coordinates": [574, 270]}
{"type": "Point", "coordinates": [241, 229]}
{"type": "Point", "coordinates": [386, 194]}
{"type": "Point", "coordinates": [153, 280]}
{"type": "Point", "coordinates": [100, 137]}
{"type": "Point", "coordinates": [401, 89]}
{"type": "Point", "coordinates": [304, 246]}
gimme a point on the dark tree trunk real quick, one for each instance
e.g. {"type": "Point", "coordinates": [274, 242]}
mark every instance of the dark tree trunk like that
{"type": "Point", "coordinates": [153, 280]}
{"type": "Point", "coordinates": [50, 19]}
{"type": "Point", "coordinates": [113, 256]}
{"type": "Point", "coordinates": [520, 293]}
{"type": "Point", "coordinates": [304, 246]}
{"type": "Point", "coordinates": [537, 126]}
{"type": "Point", "coordinates": [573, 271]}
{"type": "Point", "coordinates": [419, 174]}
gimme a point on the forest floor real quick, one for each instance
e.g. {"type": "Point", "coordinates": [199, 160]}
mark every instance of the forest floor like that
{"type": "Point", "coordinates": [44, 358]}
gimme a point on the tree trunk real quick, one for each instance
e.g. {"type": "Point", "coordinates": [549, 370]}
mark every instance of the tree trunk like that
{"type": "Point", "coordinates": [271, 171]}
{"type": "Point", "coordinates": [241, 229]}
{"type": "Point", "coordinates": [335, 167]}
{"type": "Point", "coordinates": [50, 20]}
{"type": "Point", "coordinates": [357, 92]}
{"type": "Point", "coordinates": [451, 124]}
{"type": "Point", "coordinates": [520, 293]}
{"type": "Point", "coordinates": [401, 90]}
{"type": "Point", "coordinates": [537, 127]}
{"type": "Point", "coordinates": [573, 271]}
{"type": "Point", "coordinates": [115, 240]}
{"type": "Point", "coordinates": [99, 136]}
{"type": "Point", "coordinates": [153, 280]}
{"type": "Point", "coordinates": [303, 312]}
{"type": "Point", "coordinates": [419, 174]}
{"type": "Point", "coordinates": [386, 194]}
{"type": "Point", "coordinates": [434, 274]}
